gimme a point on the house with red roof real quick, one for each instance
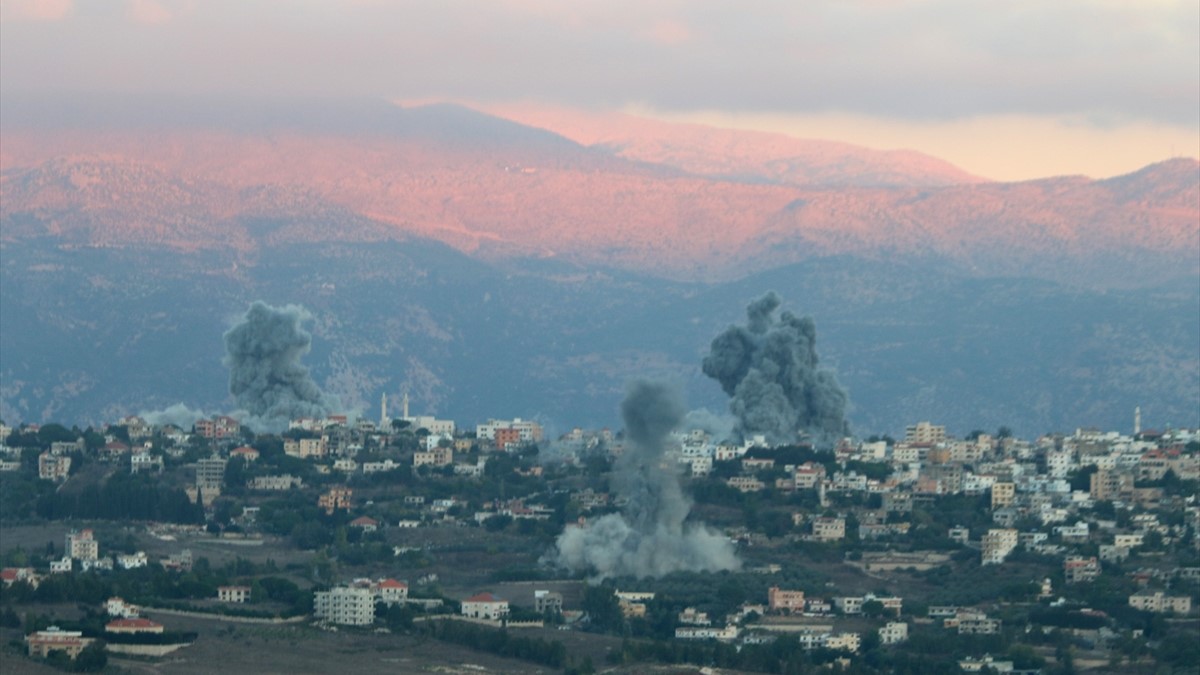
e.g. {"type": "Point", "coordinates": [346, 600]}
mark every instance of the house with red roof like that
{"type": "Point", "coordinates": [485, 606]}
{"type": "Point", "coordinates": [245, 452]}
{"type": "Point", "coordinates": [390, 591]}
{"type": "Point", "coordinates": [133, 626]}
{"type": "Point", "coordinates": [365, 523]}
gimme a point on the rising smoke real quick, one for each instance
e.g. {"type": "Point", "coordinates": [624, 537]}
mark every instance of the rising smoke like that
{"type": "Point", "coordinates": [769, 369]}
{"type": "Point", "coordinates": [649, 537]}
{"type": "Point", "coordinates": [265, 374]}
{"type": "Point", "coordinates": [178, 414]}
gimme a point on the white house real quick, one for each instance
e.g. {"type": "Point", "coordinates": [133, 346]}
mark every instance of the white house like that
{"type": "Point", "coordinates": [485, 606]}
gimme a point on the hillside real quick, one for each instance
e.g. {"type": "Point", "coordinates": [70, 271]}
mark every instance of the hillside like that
{"type": "Point", "coordinates": [501, 190]}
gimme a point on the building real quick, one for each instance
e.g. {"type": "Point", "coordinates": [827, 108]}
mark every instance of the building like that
{"type": "Point", "coordinates": [282, 482]}
{"type": "Point", "coordinates": [1003, 494]}
{"type": "Point", "coordinates": [1078, 569]}
{"type": "Point", "coordinates": [893, 632]}
{"type": "Point", "coordinates": [485, 606]}
{"type": "Point", "coordinates": [1161, 603]}
{"type": "Point", "coordinates": [433, 457]}
{"type": "Point", "coordinates": [924, 432]}
{"type": "Point", "coordinates": [218, 427]}
{"type": "Point", "coordinates": [849, 642]}
{"type": "Point", "coordinates": [133, 626]}
{"type": "Point", "coordinates": [829, 529]}
{"type": "Point", "coordinates": [247, 453]}
{"type": "Point", "coordinates": [547, 601]}
{"type": "Point", "coordinates": [527, 431]}
{"type": "Point", "coordinates": [81, 545]}
{"type": "Point", "coordinates": [337, 498]}
{"type": "Point", "coordinates": [306, 447]}
{"type": "Point", "coordinates": [233, 593]}
{"type": "Point", "coordinates": [707, 633]}
{"type": "Point", "coordinates": [11, 575]}
{"type": "Point", "coordinates": [997, 544]}
{"type": "Point", "coordinates": [345, 605]}
{"type": "Point", "coordinates": [210, 474]}
{"type": "Point", "coordinates": [54, 639]}
{"type": "Point", "coordinates": [972, 623]}
{"type": "Point", "coordinates": [119, 608]}
{"type": "Point", "coordinates": [133, 560]}
{"type": "Point", "coordinates": [53, 467]}
{"type": "Point", "coordinates": [779, 600]}
{"type": "Point", "coordinates": [365, 523]}
{"type": "Point", "coordinates": [390, 591]}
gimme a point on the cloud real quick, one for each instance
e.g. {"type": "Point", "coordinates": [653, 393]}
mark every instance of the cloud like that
{"type": "Point", "coordinates": [39, 10]}
{"type": "Point", "coordinates": [932, 60]}
{"type": "Point", "coordinates": [147, 12]}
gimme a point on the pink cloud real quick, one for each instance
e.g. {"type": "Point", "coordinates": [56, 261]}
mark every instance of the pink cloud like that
{"type": "Point", "coordinates": [147, 12]}
{"type": "Point", "coordinates": [671, 33]}
{"type": "Point", "coordinates": [40, 10]}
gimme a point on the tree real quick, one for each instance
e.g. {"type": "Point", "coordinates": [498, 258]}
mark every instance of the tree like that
{"type": "Point", "coordinates": [92, 659]}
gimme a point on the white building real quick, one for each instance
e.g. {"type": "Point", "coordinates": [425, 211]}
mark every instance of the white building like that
{"type": "Point", "coordinates": [893, 632]}
{"type": "Point", "coordinates": [345, 605]}
{"type": "Point", "coordinates": [485, 606]}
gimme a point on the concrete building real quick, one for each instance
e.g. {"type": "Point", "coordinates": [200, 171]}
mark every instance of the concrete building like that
{"type": "Point", "coordinates": [233, 593]}
{"type": "Point", "coordinates": [547, 601]}
{"type": "Point", "coordinates": [485, 606]}
{"type": "Point", "coordinates": [53, 467]}
{"type": "Point", "coordinates": [997, 544]}
{"type": "Point", "coordinates": [1161, 603]}
{"type": "Point", "coordinates": [345, 605]}
{"type": "Point", "coordinates": [1078, 569]}
{"type": "Point", "coordinates": [54, 639]}
{"type": "Point", "coordinates": [1003, 494]}
{"type": "Point", "coordinates": [829, 529]}
{"type": "Point", "coordinates": [779, 600]}
{"type": "Point", "coordinates": [893, 632]}
{"type": "Point", "coordinates": [924, 432]}
{"type": "Point", "coordinates": [81, 545]}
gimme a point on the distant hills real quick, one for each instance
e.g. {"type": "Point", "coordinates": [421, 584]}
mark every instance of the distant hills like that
{"type": "Point", "coordinates": [670, 200]}
{"type": "Point", "coordinates": [530, 266]}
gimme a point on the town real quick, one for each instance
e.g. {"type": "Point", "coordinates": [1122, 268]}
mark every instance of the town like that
{"type": "Point", "coordinates": [1075, 552]}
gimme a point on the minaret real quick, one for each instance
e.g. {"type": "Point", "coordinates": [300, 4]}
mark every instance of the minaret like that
{"type": "Point", "coordinates": [383, 420]}
{"type": "Point", "coordinates": [1137, 420]}
{"type": "Point", "coordinates": [404, 405]}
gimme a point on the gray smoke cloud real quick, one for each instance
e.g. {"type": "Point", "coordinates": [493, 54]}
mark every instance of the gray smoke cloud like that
{"type": "Point", "coordinates": [266, 377]}
{"type": "Point", "coordinates": [769, 370]}
{"type": "Point", "coordinates": [649, 538]}
{"type": "Point", "coordinates": [178, 414]}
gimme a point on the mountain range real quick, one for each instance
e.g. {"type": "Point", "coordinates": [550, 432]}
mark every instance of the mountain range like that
{"type": "Point", "coordinates": [523, 261]}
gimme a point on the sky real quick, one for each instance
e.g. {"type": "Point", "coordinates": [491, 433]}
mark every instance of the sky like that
{"type": "Point", "coordinates": [1006, 89]}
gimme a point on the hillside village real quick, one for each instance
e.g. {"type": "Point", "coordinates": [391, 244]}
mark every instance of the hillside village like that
{"type": "Point", "coordinates": [926, 553]}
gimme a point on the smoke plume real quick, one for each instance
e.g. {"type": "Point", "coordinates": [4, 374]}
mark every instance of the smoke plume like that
{"type": "Point", "coordinates": [177, 414]}
{"type": "Point", "coordinates": [769, 369]}
{"type": "Point", "coordinates": [649, 537]}
{"type": "Point", "coordinates": [265, 374]}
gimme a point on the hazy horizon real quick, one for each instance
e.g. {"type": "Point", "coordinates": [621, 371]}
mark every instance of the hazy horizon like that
{"type": "Point", "coordinates": [1008, 92]}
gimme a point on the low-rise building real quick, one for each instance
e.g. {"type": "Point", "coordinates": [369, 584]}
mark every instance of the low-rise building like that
{"type": "Point", "coordinates": [117, 607]}
{"type": "Point", "coordinates": [779, 600]}
{"type": "Point", "coordinates": [893, 632]}
{"type": "Point", "coordinates": [1077, 569]}
{"type": "Point", "coordinates": [829, 529]}
{"type": "Point", "coordinates": [54, 639]}
{"type": "Point", "coordinates": [485, 606]}
{"type": "Point", "coordinates": [133, 626]}
{"type": "Point", "coordinates": [1161, 603]}
{"type": "Point", "coordinates": [233, 593]}
{"type": "Point", "coordinates": [547, 601]}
